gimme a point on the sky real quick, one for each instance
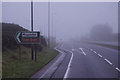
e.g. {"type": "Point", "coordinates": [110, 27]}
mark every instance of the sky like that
{"type": "Point", "coordinates": [68, 20]}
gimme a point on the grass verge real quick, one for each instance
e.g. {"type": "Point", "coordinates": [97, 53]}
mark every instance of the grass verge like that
{"type": "Point", "coordinates": [12, 67]}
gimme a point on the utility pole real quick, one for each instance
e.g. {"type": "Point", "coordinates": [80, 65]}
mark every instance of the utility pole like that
{"type": "Point", "coordinates": [32, 54]}
{"type": "Point", "coordinates": [49, 23]}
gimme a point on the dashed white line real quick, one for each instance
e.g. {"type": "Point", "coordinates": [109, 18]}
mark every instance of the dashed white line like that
{"type": "Point", "coordinates": [68, 68]}
{"type": "Point", "coordinates": [99, 55]}
{"type": "Point", "coordinates": [82, 51]}
{"type": "Point", "coordinates": [105, 59]}
{"type": "Point", "coordinates": [117, 69]}
{"type": "Point", "coordinates": [94, 51]}
{"type": "Point", "coordinates": [108, 61]}
{"type": "Point", "coordinates": [91, 49]}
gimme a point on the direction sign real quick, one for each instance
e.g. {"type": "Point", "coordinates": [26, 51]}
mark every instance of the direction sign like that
{"type": "Point", "coordinates": [28, 37]}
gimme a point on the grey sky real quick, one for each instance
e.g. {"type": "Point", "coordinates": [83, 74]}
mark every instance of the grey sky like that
{"type": "Point", "coordinates": [68, 19]}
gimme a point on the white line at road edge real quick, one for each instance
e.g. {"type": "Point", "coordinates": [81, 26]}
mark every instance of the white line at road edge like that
{"type": "Point", "coordinates": [82, 51]}
{"type": "Point", "coordinates": [108, 61]}
{"type": "Point", "coordinates": [68, 68]}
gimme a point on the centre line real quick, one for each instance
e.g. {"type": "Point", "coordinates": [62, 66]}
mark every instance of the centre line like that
{"type": "Point", "coordinates": [117, 69]}
{"type": "Point", "coordinates": [82, 51]}
{"type": "Point", "coordinates": [108, 61]}
{"type": "Point", "coordinates": [99, 55]}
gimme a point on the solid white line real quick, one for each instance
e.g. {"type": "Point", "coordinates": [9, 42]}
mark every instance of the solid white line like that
{"type": "Point", "coordinates": [117, 69]}
{"type": "Point", "coordinates": [82, 51]}
{"type": "Point", "coordinates": [68, 68]}
{"type": "Point", "coordinates": [108, 61]}
{"type": "Point", "coordinates": [99, 55]}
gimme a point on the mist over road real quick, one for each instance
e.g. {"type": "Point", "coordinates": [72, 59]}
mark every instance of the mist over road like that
{"type": "Point", "coordinates": [88, 61]}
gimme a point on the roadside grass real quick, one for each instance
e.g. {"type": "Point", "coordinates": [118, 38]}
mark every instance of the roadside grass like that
{"type": "Point", "coordinates": [12, 67]}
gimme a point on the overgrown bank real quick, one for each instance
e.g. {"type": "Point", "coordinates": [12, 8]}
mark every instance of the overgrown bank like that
{"type": "Point", "coordinates": [12, 65]}
{"type": "Point", "coordinates": [14, 68]}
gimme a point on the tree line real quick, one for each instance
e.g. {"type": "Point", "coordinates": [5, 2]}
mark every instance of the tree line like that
{"type": "Point", "coordinates": [102, 32]}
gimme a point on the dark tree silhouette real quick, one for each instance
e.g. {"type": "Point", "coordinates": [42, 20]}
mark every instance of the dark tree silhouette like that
{"type": "Point", "coordinates": [101, 32]}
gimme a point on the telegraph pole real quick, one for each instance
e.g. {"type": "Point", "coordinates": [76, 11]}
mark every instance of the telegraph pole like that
{"type": "Point", "coordinates": [32, 54]}
{"type": "Point", "coordinates": [48, 23]}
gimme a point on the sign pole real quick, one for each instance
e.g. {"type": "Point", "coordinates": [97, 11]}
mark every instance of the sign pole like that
{"type": "Point", "coordinates": [36, 53]}
{"type": "Point", "coordinates": [20, 52]}
{"type": "Point", "coordinates": [32, 54]}
{"type": "Point", "coordinates": [49, 24]}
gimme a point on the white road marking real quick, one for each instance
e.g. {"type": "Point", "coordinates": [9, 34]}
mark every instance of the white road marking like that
{"type": "Point", "coordinates": [82, 51]}
{"type": "Point", "coordinates": [91, 49]}
{"type": "Point", "coordinates": [117, 69]}
{"type": "Point", "coordinates": [73, 49]}
{"type": "Point", "coordinates": [68, 68]}
{"type": "Point", "coordinates": [95, 52]}
{"type": "Point", "coordinates": [108, 61]}
{"type": "Point", "coordinates": [99, 55]}
{"type": "Point", "coordinates": [79, 48]}
{"type": "Point", "coordinates": [105, 60]}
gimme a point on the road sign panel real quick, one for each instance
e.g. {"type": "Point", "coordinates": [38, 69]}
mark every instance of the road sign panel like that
{"type": "Point", "coordinates": [28, 37]}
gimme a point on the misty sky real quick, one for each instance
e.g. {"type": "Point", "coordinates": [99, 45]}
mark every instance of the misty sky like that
{"type": "Point", "coordinates": [67, 19]}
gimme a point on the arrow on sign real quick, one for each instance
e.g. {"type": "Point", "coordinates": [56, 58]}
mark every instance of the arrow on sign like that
{"type": "Point", "coordinates": [28, 37]}
{"type": "Point", "coordinates": [18, 37]}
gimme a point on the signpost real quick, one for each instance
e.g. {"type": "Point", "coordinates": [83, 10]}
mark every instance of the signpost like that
{"type": "Point", "coordinates": [28, 37]}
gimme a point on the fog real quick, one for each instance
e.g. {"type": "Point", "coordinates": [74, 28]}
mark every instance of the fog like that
{"type": "Point", "coordinates": [68, 20]}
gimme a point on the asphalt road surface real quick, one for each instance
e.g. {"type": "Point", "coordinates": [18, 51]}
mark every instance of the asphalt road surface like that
{"type": "Point", "coordinates": [88, 61]}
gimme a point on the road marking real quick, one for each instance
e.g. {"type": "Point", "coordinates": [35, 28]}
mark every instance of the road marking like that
{"type": "Point", "coordinates": [117, 69]}
{"type": "Point", "coordinates": [108, 61]}
{"type": "Point", "coordinates": [68, 68]}
{"type": "Point", "coordinates": [95, 52]}
{"type": "Point", "coordinates": [99, 55]}
{"type": "Point", "coordinates": [82, 51]}
{"type": "Point", "coordinates": [91, 49]}
{"type": "Point", "coordinates": [73, 49]}
{"type": "Point", "coordinates": [79, 48]}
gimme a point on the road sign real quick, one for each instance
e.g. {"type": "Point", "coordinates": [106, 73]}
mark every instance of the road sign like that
{"type": "Point", "coordinates": [28, 37]}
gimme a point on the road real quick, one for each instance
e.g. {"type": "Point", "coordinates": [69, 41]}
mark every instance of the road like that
{"type": "Point", "coordinates": [87, 61]}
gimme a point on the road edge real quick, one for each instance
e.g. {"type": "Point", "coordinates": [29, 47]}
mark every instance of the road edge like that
{"type": "Point", "coordinates": [42, 72]}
